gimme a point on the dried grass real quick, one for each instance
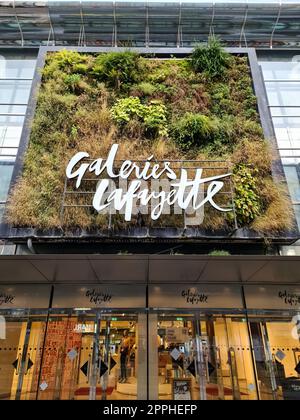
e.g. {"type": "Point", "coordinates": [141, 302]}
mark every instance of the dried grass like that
{"type": "Point", "coordinates": [278, 215]}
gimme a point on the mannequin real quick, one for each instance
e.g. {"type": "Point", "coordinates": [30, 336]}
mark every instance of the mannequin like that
{"type": "Point", "coordinates": [124, 354]}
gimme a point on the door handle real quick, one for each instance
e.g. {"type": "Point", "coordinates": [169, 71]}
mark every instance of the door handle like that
{"type": "Point", "coordinates": [89, 369]}
{"type": "Point", "coordinates": [19, 364]}
{"type": "Point", "coordinates": [27, 363]}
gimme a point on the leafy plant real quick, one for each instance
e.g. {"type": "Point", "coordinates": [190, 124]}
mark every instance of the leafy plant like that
{"type": "Point", "coordinates": [247, 203]}
{"type": "Point", "coordinates": [117, 69]}
{"type": "Point", "coordinates": [211, 59]}
{"type": "Point", "coordinates": [73, 81]}
{"type": "Point", "coordinates": [153, 116]}
{"type": "Point", "coordinates": [80, 68]}
{"type": "Point", "coordinates": [126, 108]}
{"type": "Point", "coordinates": [67, 61]}
{"type": "Point", "coordinates": [222, 102]}
{"type": "Point", "coordinates": [219, 253]}
{"type": "Point", "coordinates": [155, 119]}
{"type": "Point", "coordinates": [146, 88]}
{"type": "Point", "coordinates": [193, 130]}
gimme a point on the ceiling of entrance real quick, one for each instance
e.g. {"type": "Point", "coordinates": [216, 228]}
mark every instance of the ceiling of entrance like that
{"type": "Point", "coordinates": [148, 269]}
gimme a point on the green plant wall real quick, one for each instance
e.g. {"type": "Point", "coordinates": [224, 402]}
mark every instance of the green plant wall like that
{"type": "Point", "coordinates": [199, 108]}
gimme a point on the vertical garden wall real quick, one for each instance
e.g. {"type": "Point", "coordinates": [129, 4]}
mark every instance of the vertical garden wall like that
{"type": "Point", "coordinates": [200, 110]}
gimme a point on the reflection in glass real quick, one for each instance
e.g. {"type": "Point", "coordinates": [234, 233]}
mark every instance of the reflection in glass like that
{"type": "Point", "coordinates": [212, 351]}
{"type": "Point", "coordinates": [90, 356]}
{"type": "Point", "coordinates": [20, 355]}
{"type": "Point", "coordinates": [16, 73]}
{"type": "Point", "coordinates": [277, 357]}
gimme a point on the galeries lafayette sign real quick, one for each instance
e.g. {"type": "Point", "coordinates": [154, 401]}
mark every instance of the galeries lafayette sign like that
{"type": "Point", "coordinates": [133, 193]}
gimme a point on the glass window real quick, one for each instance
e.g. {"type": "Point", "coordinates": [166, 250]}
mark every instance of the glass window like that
{"type": "Point", "coordinates": [283, 93]}
{"type": "Point", "coordinates": [2, 207]}
{"type": "Point", "coordinates": [16, 73]}
{"type": "Point", "coordinates": [282, 79]}
{"type": "Point", "coordinates": [297, 213]}
{"type": "Point", "coordinates": [21, 69]}
{"type": "Point", "coordinates": [292, 173]}
{"type": "Point", "coordinates": [14, 91]}
{"type": "Point", "coordinates": [6, 169]}
{"type": "Point", "coordinates": [281, 70]}
{"type": "Point", "coordinates": [290, 112]}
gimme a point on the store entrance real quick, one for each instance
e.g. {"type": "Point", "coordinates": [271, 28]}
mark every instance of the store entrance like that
{"type": "Point", "coordinates": [276, 344]}
{"type": "Point", "coordinates": [204, 356]}
{"type": "Point", "coordinates": [109, 354]}
{"type": "Point", "coordinates": [21, 347]}
{"type": "Point", "coordinates": [90, 355]}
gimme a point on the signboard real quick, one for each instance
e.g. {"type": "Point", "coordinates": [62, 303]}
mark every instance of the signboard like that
{"type": "Point", "coordinates": [181, 389]}
{"type": "Point", "coordinates": [177, 335]}
{"type": "Point", "coordinates": [195, 296]}
{"type": "Point", "coordinates": [98, 296]}
{"type": "Point", "coordinates": [134, 192]}
{"type": "Point", "coordinates": [24, 296]}
{"type": "Point", "coordinates": [272, 297]}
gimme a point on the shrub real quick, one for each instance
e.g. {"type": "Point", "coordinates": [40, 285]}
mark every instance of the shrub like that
{"type": "Point", "coordinates": [152, 116]}
{"type": "Point", "coordinates": [219, 253]}
{"type": "Point", "coordinates": [222, 102]}
{"type": "Point", "coordinates": [126, 108]}
{"type": "Point", "coordinates": [193, 130]}
{"type": "Point", "coordinates": [247, 204]}
{"type": "Point", "coordinates": [211, 59]}
{"type": "Point", "coordinates": [81, 68]}
{"type": "Point", "coordinates": [73, 81]}
{"type": "Point", "coordinates": [155, 119]}
{"type": "Point", "coordinates": [145, 88]}
{"type": "Point", "coordinates": [65, 60]}
{"type": "Point", "coordinates": [117, 69]}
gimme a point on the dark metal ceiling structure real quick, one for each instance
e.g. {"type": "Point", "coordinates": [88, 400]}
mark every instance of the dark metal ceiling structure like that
{"type": "Point", "coordinates": [169, 23]}
{"type": "Point", "coordinates": [148, 269]}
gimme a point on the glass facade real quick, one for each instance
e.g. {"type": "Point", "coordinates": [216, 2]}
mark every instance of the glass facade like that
{"type": "Point", "coordinates": [83, 354]}
{"type": "Point", "coordinates": [282, 80]}
{"type": "Point", "coordinates": [268, 23]}
{"type": "Point", "coordinates": [16, 73]}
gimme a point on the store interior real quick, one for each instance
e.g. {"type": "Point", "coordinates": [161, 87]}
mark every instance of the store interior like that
{"type": "Point", "coordinates": [71, 354]}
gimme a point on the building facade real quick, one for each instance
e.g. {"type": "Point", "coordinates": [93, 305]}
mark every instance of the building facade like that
{"type": "Point", "coordinates": [147, 312]}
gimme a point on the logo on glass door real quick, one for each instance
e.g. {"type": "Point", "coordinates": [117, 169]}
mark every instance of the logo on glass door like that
{"type": "Point", "coordinates": [292, 299]}
{"type": "Point", "coordinates": [6, 298]}
{"type": "Point", "coordinates": [194, 297]}
{"type": "Point", "coordinates": [98, 297]}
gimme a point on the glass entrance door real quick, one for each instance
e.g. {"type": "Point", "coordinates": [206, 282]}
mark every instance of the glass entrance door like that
{"type": "Point", "coordinates": [204, 356]}
{"type": "Point", "coordinates": [21, 345]}
{"type": "Point", "coordinates": [276, 343]}
{"type": "Point", "coordinates": [180, 357]}
{"type": "Point", "coordinates": [120, 350]}
{"type": "Point", "coordinates": [90, 355]}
